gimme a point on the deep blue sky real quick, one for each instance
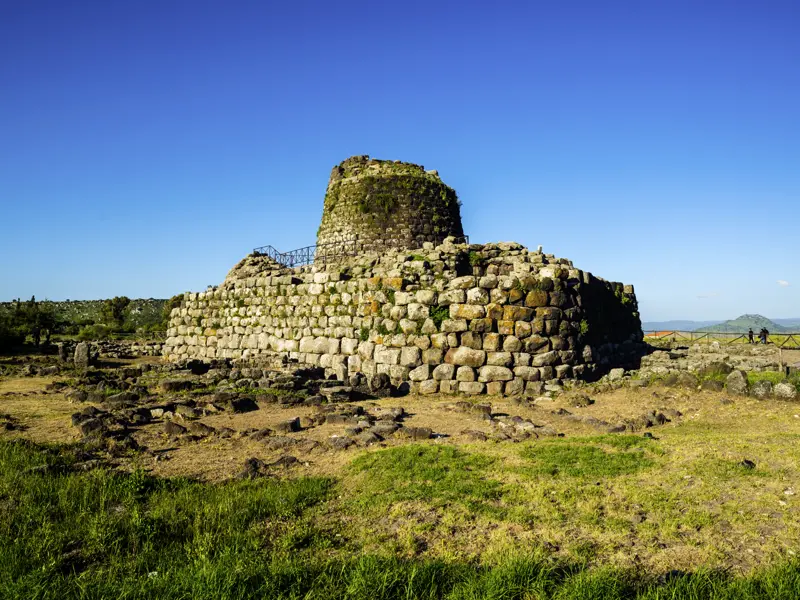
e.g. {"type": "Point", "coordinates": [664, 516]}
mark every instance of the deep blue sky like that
{"type": "Point", "coordinates": [145, 147]}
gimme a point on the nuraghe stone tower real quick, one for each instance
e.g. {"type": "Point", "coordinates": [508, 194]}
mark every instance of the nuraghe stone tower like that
{"type": "Point", "coordinates": [387, 204]}
{"type": "Point", "coordinates": [416, 302]}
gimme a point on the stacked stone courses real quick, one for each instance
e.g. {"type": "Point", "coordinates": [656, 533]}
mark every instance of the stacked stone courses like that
{"type": "Point", "coordinates": [450, 318]}
{"type": "Point", "coordinates": [383, 204]}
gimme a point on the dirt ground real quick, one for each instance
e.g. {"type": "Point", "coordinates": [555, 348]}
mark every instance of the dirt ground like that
{"type": "Point", "coordinates": [44, 416]}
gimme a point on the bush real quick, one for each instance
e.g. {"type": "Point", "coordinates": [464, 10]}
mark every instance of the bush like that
{"type": "Point", "coordinates": [95, 332]}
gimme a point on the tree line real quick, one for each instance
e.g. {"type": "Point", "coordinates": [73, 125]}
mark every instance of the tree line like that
{"type": "Point", "coordinates": [36, 322]}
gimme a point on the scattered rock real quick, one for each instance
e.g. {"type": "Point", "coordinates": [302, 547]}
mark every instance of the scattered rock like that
{"type": "Point", "coordinates": [198, 428]}
{"type": "Point", "coordinates": [761, 389]}
{"type": "Point", "coordinates": [785, 391]}
{"type": "Point", "coordinates": [241, 405]}
{"type": "Point", "coordinates": [82, 357]}
{"type": "Point", "coordinates": [173, 428]}
{"type": "Point", "coordinates": [288, 426]}
{"type": "Point", "coordinates": [177, 385]}
{"type": "Point", "coordinates": [736, 382]}
{"type": "Point", "coordinates": [415, 433]}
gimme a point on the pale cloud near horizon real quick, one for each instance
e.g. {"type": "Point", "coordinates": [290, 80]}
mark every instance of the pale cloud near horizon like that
{"type": "Point", "coordinates": [708, 295]}
{"type": "Point", "coordinates": [783, 283]}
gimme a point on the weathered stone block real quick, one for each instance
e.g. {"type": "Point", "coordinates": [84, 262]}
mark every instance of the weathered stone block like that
{"type": "Point", "coordinates": [495, 373]}
{"type": "Point", "coordinates": [444, 372]}
{"type": "Point", "coordinates": [429, 386]}
{"type": "Point", "coordinates": [546, 359]}
{"type": "Point", "coordinates": [471, 388]}
{"type": "Point", "coordinates": [494, 311]}
{"type": "Point", "coordinates": [448, 387]}
{"type": "Point", "coordinates": [472, 340]}
{"type": "Point", "coordinates": [505, 327]}
{"type": "Point", "coordinates": [537, 344]}
{"type": "Point", "coordinates": [492, 342]}
{"type": "Point", "coordinates": [517, 313]}
{"type": "Point", "coordinates": [465, 356]}
{"type": "Point", "coordinates": [512, 344]}
{"type": "Point", "coordinates": [410, 356]}
{"type": "Point", "coordinates": [495, 388]}
{"type": "Point", "coordinates": [452, 297]}
{"type": "Point", "coordinates": [515, 387]}
{"type": "Point", "coordinates": [502, 359]}
{"type": "Point", "coordinates": [527, 373]}
{"type": "Point", "coordinates": [454, 325]}
{"type": "Point", "coordinates": [386, 356]}
{"type": "Point", "coordinates": [477, 296]}
{"type": "Point", "coordinates": [421, 373]}
{"type": "Point", "coordinates": [536, 298]}
{"type": "Point", "coordinates": [426, 297]}
{"type": "Point", "coordinates": [465, 374]}
{"type": "Point", "coordinates": [467, 311]}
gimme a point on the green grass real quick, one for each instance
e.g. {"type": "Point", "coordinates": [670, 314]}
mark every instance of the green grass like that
{"type": "Point", "coordinates": [623, 455]}
{"type": "Point", "coordinates": [435, 474]}
{"type": "Point", "coordinates": [773, 377]}
{"type": "Point", "coordinates": [100, 534]}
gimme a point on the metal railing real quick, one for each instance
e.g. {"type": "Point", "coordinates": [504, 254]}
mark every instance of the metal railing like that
{"type": "Point", "coordinates": [781, 340]}
{"type": "Point", "coordinates": [330, 252]}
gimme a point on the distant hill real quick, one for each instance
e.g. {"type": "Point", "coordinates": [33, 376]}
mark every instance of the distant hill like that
{"type": "Point", "coordinates": [676, 325]}
{"type": "Point", "coordinates": [792, 323]}
{"type": "Point", "coordinates": [743, 323]}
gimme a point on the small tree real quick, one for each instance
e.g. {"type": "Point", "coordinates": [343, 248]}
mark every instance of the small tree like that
{"type": "Point", "coordinates": [174, 302]}
{"type": "Point", "coordinates": [35, 319]}
{"type": "Point", "coordinates": [115, 310]}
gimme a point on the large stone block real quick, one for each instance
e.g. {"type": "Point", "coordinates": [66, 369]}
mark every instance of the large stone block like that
{"type": "Point", "coordinates": [495, 373]}
{"type": "Point", "coordinates": [546, 359]}
{"type": "Point", "coordinates": [410, 356]}
{"type": "Point", "coordinates": [465, 356]}
{"type": "Point", "coordinates": [386, 356]}
{"type": "Point", "coordinates": [471, 388]}
{"type": "Point", "coordinates": [454, 325]}
{"type": "Point", "coordinates": [517, 313]}
{"type": "Point", "coordinates": [433, 356]}
{"type": "Point", "coordinates": [502, 359]}
{"type": "Point", "coordinates": [444, 372]}
{"type": "Point", "coordinates": [477, 296]}
{"type": "Point", "coordinates": [465, 374]}
{"type": "Point", "coordinates": [421, 373]}
{"type": "Point", "coordinates": [467, 311]}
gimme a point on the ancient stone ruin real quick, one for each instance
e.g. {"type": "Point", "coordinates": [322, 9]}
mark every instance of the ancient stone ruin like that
{"type": "Point", "coordinates": [387, 204]}
{"type": "Point", "coordinates": [414, 300]}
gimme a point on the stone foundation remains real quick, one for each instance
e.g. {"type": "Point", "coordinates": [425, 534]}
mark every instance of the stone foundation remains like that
{"type": "Point", "coordinates": [493, 318]}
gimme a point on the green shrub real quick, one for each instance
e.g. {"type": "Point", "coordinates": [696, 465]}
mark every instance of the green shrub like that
{"type": "Point", "coordinates": [95, 332]}
{"type": "Point", "coordinates": [439, 314]}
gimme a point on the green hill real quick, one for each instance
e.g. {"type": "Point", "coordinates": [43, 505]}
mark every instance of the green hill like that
{"type": "Point", "coordinates": [743, 323]}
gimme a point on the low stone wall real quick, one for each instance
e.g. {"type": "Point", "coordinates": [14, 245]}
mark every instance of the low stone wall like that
{"type": "Point", "coordinates": [452, 318]}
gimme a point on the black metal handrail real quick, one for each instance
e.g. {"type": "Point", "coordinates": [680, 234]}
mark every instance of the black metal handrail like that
{"type": "Point", "coordinates": [322, 253]}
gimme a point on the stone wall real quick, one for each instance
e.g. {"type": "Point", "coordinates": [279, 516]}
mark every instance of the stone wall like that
{"type": "Point", "coordinates": [493, 318]}
{"type": "Point", "coordinates": [387, 204]}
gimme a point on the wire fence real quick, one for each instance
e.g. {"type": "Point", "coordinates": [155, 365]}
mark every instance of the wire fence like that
{"type": "Point", "coordinates": [781, 340]}
{"type": "Point", "coordinates": [330, 252]}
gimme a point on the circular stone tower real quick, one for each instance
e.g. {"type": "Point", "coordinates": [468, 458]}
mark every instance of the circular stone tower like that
{"type": "Point", "coordinates": [377, 204]}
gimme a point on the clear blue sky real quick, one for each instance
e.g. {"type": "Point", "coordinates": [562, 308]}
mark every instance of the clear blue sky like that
{"type": "Point", "coordinates": [145, 147]}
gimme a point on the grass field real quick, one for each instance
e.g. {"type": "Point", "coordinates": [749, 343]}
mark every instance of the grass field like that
{"type": "Point", "coordinates": [104, 534]}
{"type": "Point", "coordinates": [705, 507]}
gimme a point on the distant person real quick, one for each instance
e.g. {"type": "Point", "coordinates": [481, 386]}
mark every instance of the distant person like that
{"type": "Point", "coordinates": [750, 336]}
{"type": "Point", "coordinates": [762, 335]}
